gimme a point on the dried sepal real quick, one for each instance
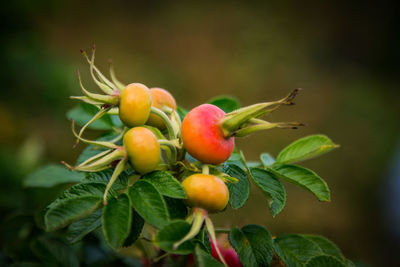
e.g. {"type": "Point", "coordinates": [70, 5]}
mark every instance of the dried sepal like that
{"type": "Point", "coordinates": [197, 223]}
{"type": "Point", "coordinates": [104, 99]}
{"type": "Point", "coordinates": [104, 87]}
{"type": "Point", "coordinates": [120, 86]}
{"type": "Point", "coordinates": [117, 171]}
{"type": "Point", "coordinates": [236, 119]}
{"type": "Point", "coordinates": [101, 163]}
{"type": "Point", "coordinates": [87, 100]}
{"type": "Point", "coordinates": [105, 144]}
{"type": "Point", "coordinates": [211, 231]}
{"type": "Point", "coordinates": [265, 125]}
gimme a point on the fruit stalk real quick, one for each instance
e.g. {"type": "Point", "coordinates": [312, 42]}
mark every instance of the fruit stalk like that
{"type": "Point", "coordinates": [117, 171]}
{"type": "Point", "coordinates": [198, 219]}
{"type": "Point", "coordinates": [211, 231]}
{"type": "Point", "coordinates": [171, 132]}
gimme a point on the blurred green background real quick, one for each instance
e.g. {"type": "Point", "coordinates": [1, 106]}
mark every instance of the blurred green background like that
{"type": "Point", "coordinates": [343, 54]}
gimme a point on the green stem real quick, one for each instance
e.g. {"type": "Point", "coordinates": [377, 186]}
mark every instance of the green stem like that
{"type": "Point", "coordinates": [189, 219]}
{"type": "Point", "coordinates": [118, 169]}
{"type": "Point", "coordinates": [107, 99]}
{"type": "Point", "coordinates": [101, 163]}
{"type": "Point", "coordinates": [265, 126]}
{"type": "Point", "coordinates": [117, 83]}
{"type": "Point", "coordinates": [198, 219]}
{"type": "Point", "coordinates": [244, 162]}
{"type": "Point", "coordinates": [168, 151]}
{"type": "Point", "coordinates": [167, 110]}
{"type": "Point", "coordinates": [95, 157]}
{"type": "Point", "coordinates": [211, 231]}
{"type": "Point", "coordinates": [114, 111]}
{"type": "Point", "coordinates": [205, 169]}
{"type": "Point", "coordinates": [163, 167]}
{"type": "Point", "coordinates": [93, 169]}
{"type": "Point", "coordinates": [87, 100]}
{"type": "Point", "coordinates": [166, 120]}
{"type": "Point", "coordinates": [119, 137]}
{"type": "Point", "coordinates": [97, 116]}
{"type": "Point", "coordinates": [176, 123]}
{"type": "Point", "coordinates": [172, 148]}
{"type": "Point", "coordinates": [105, 82]}
{"type": "Point", "coordinates": [106, 89]}
{"type": "Point", "coordinates": [104, 144]}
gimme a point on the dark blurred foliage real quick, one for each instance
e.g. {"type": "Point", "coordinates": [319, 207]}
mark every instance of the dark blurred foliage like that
{"type": "Point", "coordinates": [343, 54]}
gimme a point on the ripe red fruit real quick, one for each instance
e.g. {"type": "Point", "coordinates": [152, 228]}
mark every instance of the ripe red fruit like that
{"type": "Point", "coordinates": [203, 137]}
{"type": "Point", "coordinates": [229, 255]}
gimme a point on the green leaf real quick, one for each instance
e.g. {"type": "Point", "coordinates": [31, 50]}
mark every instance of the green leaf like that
{"type": "Point", "coordinates": [67, 211]}
{"type": "Point", "coordinates": [53, 252]}
{"type": "Point", "coordinates": [306, 148]}
{"type": "Point", "coordinates": [77, 230]}
{"type": "Point", "coordinates": [117, 216]}
{"type": "Point", "coordinates": [51, 175]}
{"type": "Point", "coordinates": [82, 189]}
{"type": "Point", "coordinates": [234, 157]}
{"type": "Point", "coordinates": [116, 121]}
{"type": "Point", "coordinates": [304, 178]}
{"type": "Point", "coordinates": [83, 113]}
{"type": "Point", "coordinates": [149, 203]}
{"type": "Point", "coordinates": [238, 192]}
{"type": "Point", "coordinates": [172, 233]}
{"type": "Point", "coordinates": [104, 176]}
{"type": "Point", "coordinates": [226, 103]}
{"type": "Point", "coordinates": [136, 229]}
{"type": "Point", "coordinates": [166, 184]}
{"type": "Point", "coordinates": [89, 193]}
{"type": "Point", "coordinates": [176, 208]}
{"type": "Point", "coordinates": [266, 159]}
{"type": "Point", "coordinates": [271, 187]}
{"type": "Point", "coordinates": [295, 250]}
{"type": "Point", "coordinates": [203, 259]}
{"type": "Point", "coordinates": [327, 246]}
{"type": "Point", "coordinates": [325, 261]}
{"type": "Point", "coordinates": [74, 204]}
{"type": "Point", "coordinates": [253, 244]}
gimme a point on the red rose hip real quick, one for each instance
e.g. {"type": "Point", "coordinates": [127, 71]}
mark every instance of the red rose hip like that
{"type": "Point", "coordinates": [203, 137]}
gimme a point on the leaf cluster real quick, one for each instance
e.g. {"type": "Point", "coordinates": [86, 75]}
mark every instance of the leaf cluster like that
{"type": "Point", "coordinates": [149, 210]}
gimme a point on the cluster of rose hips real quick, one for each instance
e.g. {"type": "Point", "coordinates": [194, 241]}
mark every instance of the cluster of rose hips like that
{"type": "Point", "coordinates": [154, 138]}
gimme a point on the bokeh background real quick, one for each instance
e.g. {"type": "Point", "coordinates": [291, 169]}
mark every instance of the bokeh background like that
{"type": "Point", "coordinates": [345, 55]}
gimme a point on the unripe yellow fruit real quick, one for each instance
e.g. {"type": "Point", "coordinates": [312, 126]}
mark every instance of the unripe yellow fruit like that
{"type": "Point", "coordinates": [135, 104]}
{"type": "Point", "coordinates": [206, 191]}
{"type": "Point", "coordinates": [143, 149]}
{"type": "Point", "coordinates": [161, 98]}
